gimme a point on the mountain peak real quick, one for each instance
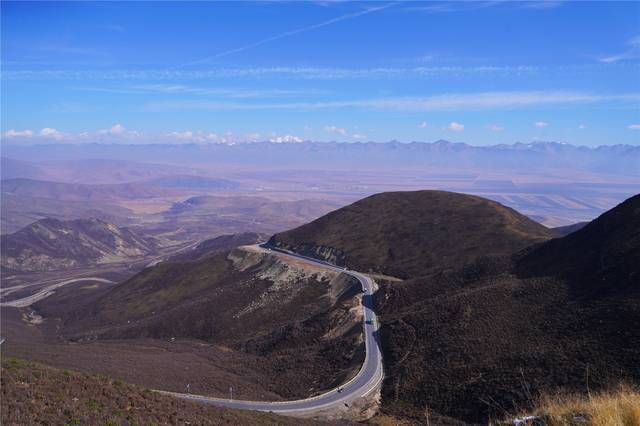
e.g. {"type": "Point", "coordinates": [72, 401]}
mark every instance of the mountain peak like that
{"type": "Point", "coordinates": [408, 233]}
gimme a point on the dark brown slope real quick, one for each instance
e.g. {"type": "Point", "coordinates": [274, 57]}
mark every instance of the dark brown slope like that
{"type": "Point", "coordinates": [218, 245]}
{"type": "Point", "coordinates": [407, 234]}
{"type": "Point", "coordinates": [54, 244]}
{"type": "Point", "coordinates": [489, 338]}
{"type": "Point", "coordinates": [602, 257]}
{"type": "Point", "coordinates": [302, 326]}
{"type": "Point", "coordinates": [35, 394]}
{"type": "Point", "coordinates": [563, 231]}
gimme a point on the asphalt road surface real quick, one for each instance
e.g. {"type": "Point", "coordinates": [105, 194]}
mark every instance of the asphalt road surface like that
{"type": "Point", "coordinates": [48, 291]}
{"type": "Point", "coordinates": [366, 381]}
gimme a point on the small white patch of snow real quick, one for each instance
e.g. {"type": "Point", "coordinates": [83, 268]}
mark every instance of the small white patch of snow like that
{"type": "Point", "coordinates": [524, 420]}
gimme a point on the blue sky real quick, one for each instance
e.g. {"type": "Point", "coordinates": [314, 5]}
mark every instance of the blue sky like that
{"type": "Point", "coordinates": [479, 72]}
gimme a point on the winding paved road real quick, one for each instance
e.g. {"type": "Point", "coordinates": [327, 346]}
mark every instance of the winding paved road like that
{"type": "Point", "coordinates": [366, 381]}
{"type": "Point", "coordinates": [48, 291]}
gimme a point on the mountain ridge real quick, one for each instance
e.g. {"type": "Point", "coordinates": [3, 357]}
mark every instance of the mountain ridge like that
{"type": "Point", "coordinates": [49, 244]}
{"type": "Point", "coordinates": [612, 159]}
{"type": "Point", "coordinates": [531, 324]}
{"type": "Point", "coordinates": [405, 234]}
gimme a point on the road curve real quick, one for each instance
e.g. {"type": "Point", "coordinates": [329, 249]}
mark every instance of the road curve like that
{"type": "Point", "coordinates": [366, 381]}
{"type": "Point", "coordinates": [48, 291]}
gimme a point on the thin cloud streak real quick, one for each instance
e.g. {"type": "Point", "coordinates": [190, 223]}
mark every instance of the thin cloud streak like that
{"type": "Point", "coordinates": [181, 89]}
{"type": "Point", "coordinates": [541, 5]}
{"type": "Point", "coordinates": [448, 7]}
{"type": "Point", "coordinates": [288, 34]}
{"type": "Point", "coordinates": [445, 102]}
{"type": "Point", "coordinates": [633, 52]}
{"type": "Point", "coordinates": [300, 73]}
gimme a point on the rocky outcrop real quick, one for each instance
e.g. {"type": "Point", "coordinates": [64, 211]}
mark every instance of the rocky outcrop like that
{"type": "Point", "coordinates": [320, 252]}
{"type": "Point", "coordinates": [289, 278]}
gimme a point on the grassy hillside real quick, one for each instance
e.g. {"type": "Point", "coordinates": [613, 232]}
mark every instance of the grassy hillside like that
{"type": "Point", "coordinates": [618, 406]}
{"type": "Point", "coordinates": [304, 325]}
{"type": "Point", "coordinates": [35, 394]}
{"type": "Point", "coordinates": [476, 342]}
{"type": "Point", "coordinates": [407, 234]}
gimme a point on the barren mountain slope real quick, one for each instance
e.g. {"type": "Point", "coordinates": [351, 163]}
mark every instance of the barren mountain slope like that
{"type": "Point", "coordinates": [217, 245]}
{"type": "Point", "coordinates": [407, 234]}
{"type": "Point", "coordinates": [35, 394]}
{"type": "Point", "coordinates": [304, 323]}
{"type": "Point", "coordinates": [480, 341]}
{"type": "Point", "coordinates": [54, 244]}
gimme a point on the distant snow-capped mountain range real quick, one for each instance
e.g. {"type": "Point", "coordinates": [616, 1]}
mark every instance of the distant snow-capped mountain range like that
{"type": "Point", "coordinates": [533, 156]}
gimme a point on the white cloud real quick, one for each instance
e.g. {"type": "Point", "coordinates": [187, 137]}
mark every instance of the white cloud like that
{"type": "Point", "coordinates": [291, 33]}
{"type": "Point", "coordinates": [301, 73]}
{"type": "Point", "coordinates": [455, 127]}
{"type": "Point", "coordinates": [335, 129]}
{"type": "Point", "coordinates": [181, 89]}
{"type": "Point", "coordinates": [343, 132]}
{"type": "Point", "coordinates": [423, 125]}
{"type": "Point", "coordinates": [582, 126]}
{"type": "Point", "coordinates": [632, 52]}
{"type": "Point", "coordinates": [444, 102]}
{"type": "Point", "coordinates": [183, 136]}
{"type": "Point", "coordinates": [286, 139]}
{"type": "Point", "coordinates": [11, 133]}
{"type": "Point", "coordinates": [425, 58]}
{"type": "Point", "coordinates": [51, 133]}
{"type": "Point", "coordinates": [119, 131]}
{"type": "Point", "coordinates": [448, 7]}
{"type": "Point", "coordinates": [115, 28]}
{"type": "Point", "coordinates": [541, 5]}
{"type": "Point", "coordinates": [495, 128]}
{"type": "Point", "coordinates": [199, 136]}
{"type": "Point", "coordinates": [540, 124]}
{"type": "Point", "coordinates": [634, 126]}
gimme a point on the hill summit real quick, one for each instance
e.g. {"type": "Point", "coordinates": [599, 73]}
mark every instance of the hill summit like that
{"type": "Point", "coordinates": [561, 315]}
{"type": "Point", "coordinates": [406, 234]}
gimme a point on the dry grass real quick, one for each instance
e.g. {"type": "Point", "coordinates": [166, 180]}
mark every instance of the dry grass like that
{"type": "Point", "coordinates": [619, 407]}
{"type": "Point", "coordinates": [385, 420]}
{"type": "Point", "coordinates": [34, 394]}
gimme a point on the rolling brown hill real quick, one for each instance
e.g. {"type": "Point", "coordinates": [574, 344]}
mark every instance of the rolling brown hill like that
{"type": "Point", "coordinates": [407, 234]}
{"type": "Point", "coordinates": [601, 257]}
{"type": "Point", "coordinates": [54, 244]}
{"type": "Point", "coordinates": [35, 394]}
{"type": "Point", "coordinates": [490, 337]}
{"type": "Point", "coordinates": [82, 192]}
{"type": "Point", "coordinates": [217, 245]}
{"type": "Point", "coordinates": [301, 323]}
{"type": "Point", "coordinates": [562, 231]}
